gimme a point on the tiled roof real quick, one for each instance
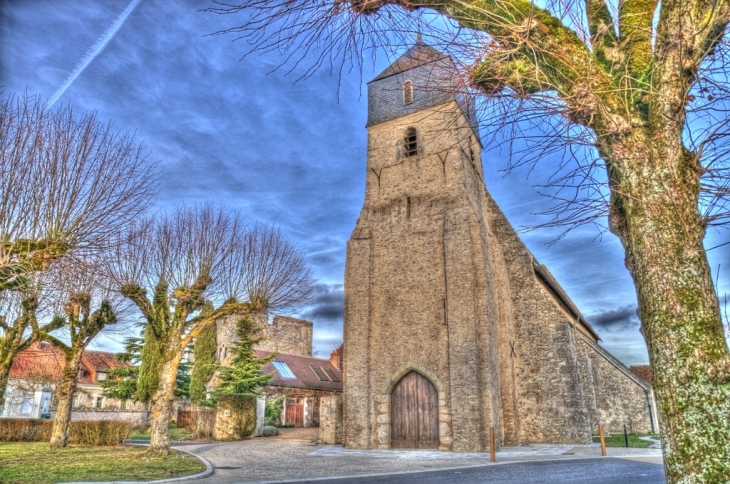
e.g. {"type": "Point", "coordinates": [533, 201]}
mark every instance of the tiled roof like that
{"type": "Point", "coordinates": [46, 361]}
{"type": "Point", "coordinates": [642, 371]}
{"type": "Point", "coordinates": [305, 375]}
{"type": "Point", "coordinates": [418, 55]}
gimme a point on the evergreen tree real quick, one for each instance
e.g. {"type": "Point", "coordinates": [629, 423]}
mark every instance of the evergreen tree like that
{"type": "Point", "coordinates": [204, 365]}
{"type": "Point", "coordinates": [245, 374]}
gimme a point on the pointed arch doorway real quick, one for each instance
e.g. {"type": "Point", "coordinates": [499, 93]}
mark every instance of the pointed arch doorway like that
{"type": "Point", "coordinates": [414, 413]}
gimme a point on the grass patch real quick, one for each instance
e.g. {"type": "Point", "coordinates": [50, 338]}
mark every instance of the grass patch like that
{"type": "Point", "coordinates": [35, 462]}
{"type": "Point", "coordinates": [618, 440]}
{"type": "Point", "coordinates": [176, 433]}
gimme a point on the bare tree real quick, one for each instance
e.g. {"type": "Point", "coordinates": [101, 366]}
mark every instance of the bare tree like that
{"type": "Point", "coordinates": [182, 271]}
{"type": "Point", "coordinates": [636, 94]}
{"type": "Point", "coordinates": [68, 186]}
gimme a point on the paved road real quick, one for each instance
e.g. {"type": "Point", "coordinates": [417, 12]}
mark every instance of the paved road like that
{"type": "Point", "coordinates": [593, 471]}
{"type": "Point", "coordinates": [292, 456]}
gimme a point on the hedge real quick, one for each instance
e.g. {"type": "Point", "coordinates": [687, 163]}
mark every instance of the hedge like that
{"type": "Point", "coordinates": [84, 432]}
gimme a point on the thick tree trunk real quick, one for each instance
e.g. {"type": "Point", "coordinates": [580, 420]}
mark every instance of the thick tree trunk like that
{"type": "Point", "coordinates": [161, 407]}
{"type": "Point", "coordinates": [64, 397]}
{"type": "Point", "coordinates": [657, 218]}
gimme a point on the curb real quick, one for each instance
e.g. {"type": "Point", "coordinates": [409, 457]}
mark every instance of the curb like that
{"type": "Point", "coordinates": [442, 469]}
{"type": "Point", "coordinates": [200, 475]}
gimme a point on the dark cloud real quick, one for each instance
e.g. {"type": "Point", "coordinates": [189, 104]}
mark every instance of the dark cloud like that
{"type": "Point", "coordinates": [621, 319]}
{"type": "Point", "coordinates": [329, 304]}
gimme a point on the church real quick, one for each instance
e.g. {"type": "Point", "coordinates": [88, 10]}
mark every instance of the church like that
{"type": "Point", "coordinates": [451, 326]}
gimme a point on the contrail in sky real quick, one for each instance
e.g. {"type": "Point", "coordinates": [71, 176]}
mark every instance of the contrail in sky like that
{"type": "Point", "coordinates": [95, 50]}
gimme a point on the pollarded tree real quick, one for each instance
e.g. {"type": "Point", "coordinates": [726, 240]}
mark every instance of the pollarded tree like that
{"type": "Point", "coordinates": [623, 78]}
{"type": "Point", "coordinates": [173, 269]}
{"type": "Point", "coordinates": [68, 185]}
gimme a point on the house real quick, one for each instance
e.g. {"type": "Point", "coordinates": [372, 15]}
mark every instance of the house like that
{"type": "Point", "coordinates": [301, 381]}
{"type": "Point", "coordinates": [36, 371]}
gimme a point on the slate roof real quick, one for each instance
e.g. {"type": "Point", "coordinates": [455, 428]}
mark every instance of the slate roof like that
{"type": "Point", "coordinates": [305, 376]}
{"type": "Point", "coordinates": [44, 359]}
{"type": "Point", "coordinates": [419, 54]}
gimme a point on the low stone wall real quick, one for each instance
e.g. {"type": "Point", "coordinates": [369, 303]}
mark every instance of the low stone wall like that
{"type": "Point", "coordinates": [137, 418]}
{"type": "Point", "coordinates": [330, 419]}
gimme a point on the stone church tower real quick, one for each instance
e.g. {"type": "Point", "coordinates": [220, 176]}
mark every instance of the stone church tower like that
{"type": "Point", "coordinates": [451, 327]}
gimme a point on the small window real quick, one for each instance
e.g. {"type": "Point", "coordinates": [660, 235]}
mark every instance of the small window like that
{"type": "Point", "coordinates": [407, 92]}
{"type": "Point", "coordinates": [411, 144]}
{"type": "Point", "coordinates": [590, 365]}
{"type": "Point", "coordinates": [331, 374]}
{"type": "Point", "coordinates": [318, 371]}
{"type": "Point", "coordinates": [102, 376]}
{"type": "Point", "coordinates": [283, 369]}
{"type": "Point", "coordinates": [99, 402]}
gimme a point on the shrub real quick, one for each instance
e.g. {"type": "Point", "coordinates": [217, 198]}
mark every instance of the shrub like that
{"type": "Point", "coordinates": [270, 430]}
{"type": "Point", "coordinates": [99, 432]}
{"type": "Point", "coordinates": [25, 430]}
{"type": "Point", "coordinates": [85, 432]}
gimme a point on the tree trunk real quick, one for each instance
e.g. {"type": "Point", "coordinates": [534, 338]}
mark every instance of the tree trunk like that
{"type": "Point", "coordinates": [657, 218]}
{"type": "Point", "coordinates": [4, 376]}
{"type": "Point", "coordinates": [64, 396]}
{"type": "Point", "coordinates": [161, 407]}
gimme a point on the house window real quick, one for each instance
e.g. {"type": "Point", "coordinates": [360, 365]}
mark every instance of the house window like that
{"type": "Point", "coordinates": [407, 92]}
{"type": "Point", "coordinates": [283, 369]}
{"type": "Point", "coordinates": [331, 374]}
{"type": "Point", "coordinates": [320, 374]}
{"type": "Point", "coordinates": [102, 376]}
{"type": "Point", "coordinates": [99, 402]}
{"type": "Point", "coordinates": [590, 365]}
{"type": "Point", "coordinates": [411, 144]}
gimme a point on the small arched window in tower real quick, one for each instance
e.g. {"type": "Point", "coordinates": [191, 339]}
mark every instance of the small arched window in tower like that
{"type": "Point", "coordinates": [407, 92]}
{"type": "Point", "coordinates": [411, 145]}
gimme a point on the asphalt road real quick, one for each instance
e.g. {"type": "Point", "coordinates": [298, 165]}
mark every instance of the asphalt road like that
{"type": "Point", "coordinates": [593, 471]}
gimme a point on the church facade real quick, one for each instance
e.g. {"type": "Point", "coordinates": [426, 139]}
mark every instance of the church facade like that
{"type": "Point", "coordinates": [451, 326]}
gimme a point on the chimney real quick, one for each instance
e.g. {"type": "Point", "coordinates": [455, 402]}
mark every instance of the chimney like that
{"type": "Point", "coordinates": [336, 358]}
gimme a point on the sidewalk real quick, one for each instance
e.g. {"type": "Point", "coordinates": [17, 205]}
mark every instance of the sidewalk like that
{"type": "Point", "coordinates": [292, 455]}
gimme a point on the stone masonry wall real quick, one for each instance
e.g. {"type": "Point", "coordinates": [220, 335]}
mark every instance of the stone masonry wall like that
{"type": "Point", "coordinates": [432, 308]}
{"type": "Point", "coordinates": [285, 335]}
{"type": "Point", "coordinates": [548, 389]}
{"type": "Point", "coordinates": [330, 419]}
{"type": "Point", "coordinates": [615, 396]}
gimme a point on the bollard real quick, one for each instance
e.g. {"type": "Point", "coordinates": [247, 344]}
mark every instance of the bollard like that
{"type": "Point", "coordinates": [626, 436]}
{"type": "Point", "coordinates": [603, 441]}
{"type": "Point", "coordinates": [491, 444]}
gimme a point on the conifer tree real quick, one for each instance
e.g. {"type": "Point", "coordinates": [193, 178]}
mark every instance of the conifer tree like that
{"type": "Point", "coordinates": [244, 374]}
{"type": "Point", "coordinates": [204, 364]}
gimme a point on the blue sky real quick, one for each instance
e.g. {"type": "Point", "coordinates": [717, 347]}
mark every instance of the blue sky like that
{"type": "Point", "coordinates": [237, 131]}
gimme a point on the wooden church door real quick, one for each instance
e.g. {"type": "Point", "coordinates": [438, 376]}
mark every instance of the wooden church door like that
{"type": "Point", "coordinates": [414, 413]}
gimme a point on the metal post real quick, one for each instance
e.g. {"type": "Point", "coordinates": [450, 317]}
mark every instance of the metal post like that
{"type": "Point", "coordinates": [491, 444]}
{"type": "Point", "coordinates": [626, 436]}
{"type": "Point", "coordinates": [603, 441]}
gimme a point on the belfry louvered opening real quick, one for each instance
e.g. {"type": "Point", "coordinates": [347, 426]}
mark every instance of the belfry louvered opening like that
{"type": "Point", "coordinates": [407, 92]}
{"type": "Point", "coordinates": [411, 143]}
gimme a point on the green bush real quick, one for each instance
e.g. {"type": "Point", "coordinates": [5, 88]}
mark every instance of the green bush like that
{"type": "Point", "coordinates": [84, 432]}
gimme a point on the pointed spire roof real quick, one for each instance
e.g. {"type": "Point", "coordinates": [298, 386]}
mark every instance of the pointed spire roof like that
{"type": "Point", "coordinates": [419, 54]}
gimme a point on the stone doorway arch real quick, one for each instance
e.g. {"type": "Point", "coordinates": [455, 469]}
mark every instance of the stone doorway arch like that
{"type": "Point", "coordinates": [381, 405]}
{"type": "Point", "coordinates": [414, 413]}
